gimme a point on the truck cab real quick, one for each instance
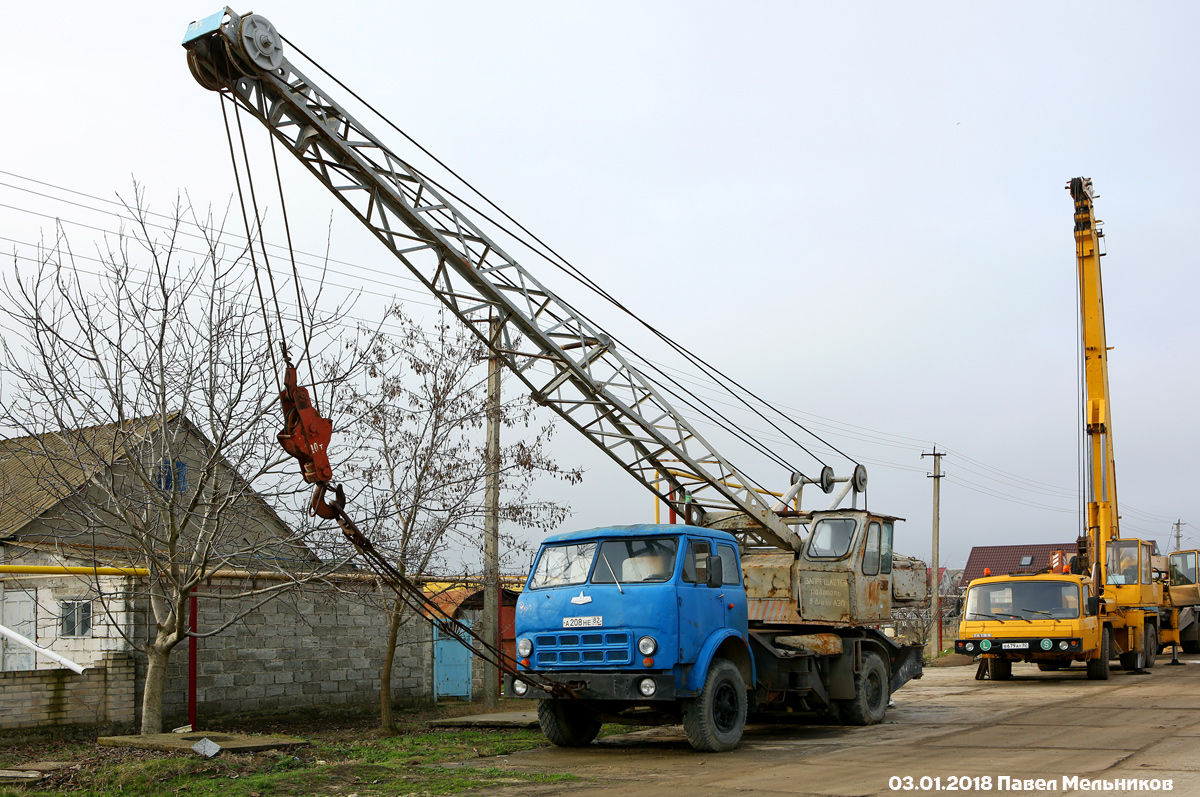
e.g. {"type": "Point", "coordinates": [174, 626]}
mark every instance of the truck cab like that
{"type": "Point", "coordinates": [633, 619]}
{"type": "Point", "coordinates": [1045, 618]}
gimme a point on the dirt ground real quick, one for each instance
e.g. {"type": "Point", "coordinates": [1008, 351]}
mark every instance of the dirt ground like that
{"type": "Point", "coordinates": [947, 725]}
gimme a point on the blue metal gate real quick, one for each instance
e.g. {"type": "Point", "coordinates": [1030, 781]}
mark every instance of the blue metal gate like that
{"type": "Point", "coordinates": [451, 663]}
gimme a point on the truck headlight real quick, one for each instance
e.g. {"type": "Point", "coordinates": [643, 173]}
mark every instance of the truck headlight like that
{"type": "Point", "coordinates": [647, 686]}
{"type": "Point", "coordinates": [524, 647]}
{"type": "Point", "coordinates": [1064, 645]}
{"type": "Point", "coordinates": [520, 687]}
{"type": "Point", "coordinates": [647, 646]}
{"type": "Point", "coordinates": [970, 646]}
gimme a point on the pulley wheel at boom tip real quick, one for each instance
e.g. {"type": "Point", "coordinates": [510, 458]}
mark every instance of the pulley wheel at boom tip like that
{"type": "Point", "coordinates": [860, 478]}
{"type": "Point", "coordinates": [826, 480]}
{"type": "Point", "coordinates": [260, 42]}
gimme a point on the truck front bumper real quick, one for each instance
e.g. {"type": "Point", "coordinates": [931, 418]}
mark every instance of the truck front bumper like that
{"type": "Point", "coordinates": [597, 685]}
{"type": "Point", "coordinates": [1020, 648]}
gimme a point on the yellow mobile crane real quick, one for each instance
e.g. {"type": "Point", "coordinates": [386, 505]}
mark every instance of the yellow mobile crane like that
{"type": "Point", "coordinates": [1113, 598]}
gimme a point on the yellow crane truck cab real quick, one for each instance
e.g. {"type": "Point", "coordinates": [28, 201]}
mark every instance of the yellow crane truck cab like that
{"type": "Point", "coordinates": [1044, 618]}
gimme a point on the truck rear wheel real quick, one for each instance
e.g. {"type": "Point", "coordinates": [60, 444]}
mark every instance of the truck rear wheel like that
{"type": "Point", "coordinates": [1097, 669]}
{"type": "Point", "coordinates": [567, 723]}
{"type": "Point", "coordinates": [1151, 647]}
{"type": "Point", "coordinates": [714, 721]}
{"type": "Point", "coordinates": [1132, 660]}
{"type": "Point", "coordinates": [872, 688]}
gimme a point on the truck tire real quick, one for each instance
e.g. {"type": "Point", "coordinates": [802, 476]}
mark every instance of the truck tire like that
{"type": "Point", "coordinates": [567, 723]}
{"type": "Point", "coordinates": [1131, 660]}
{"type": "Point", "coordinates": [1097, 669]}
{"type": "Point", "coordinates": [714, 721]}
{"type": "Point", "coordinates": [872, 688]}
{"type": "Point", "coordinates": [1049, 666]}
{"type": "Point", "coordinates": [1000, 669]}
{"type": "Point", "coordinates": [1151, 647]}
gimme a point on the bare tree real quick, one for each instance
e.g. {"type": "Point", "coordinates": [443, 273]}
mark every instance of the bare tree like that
{"type": "Point", "coordinates": [143, 381]}
{"type": "Point", "coordinates": [420, 415]}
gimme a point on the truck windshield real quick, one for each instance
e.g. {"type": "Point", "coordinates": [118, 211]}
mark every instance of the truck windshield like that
{"type": "Point", "coordinates": [1023, 600]}
{"type": "Point", "coordinates": [831, 538]}
{"type": "Point", "coordinates": [563, 565]}
{"type": "Point", "coordinates": [1183, 569]}
{"type": "Point", "coordinates": [636, 561]}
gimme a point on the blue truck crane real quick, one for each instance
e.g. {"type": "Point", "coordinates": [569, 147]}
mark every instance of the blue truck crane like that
{"type": "Point", "coordinates": [752, 606]}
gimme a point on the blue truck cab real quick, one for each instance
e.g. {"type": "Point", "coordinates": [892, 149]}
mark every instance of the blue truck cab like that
{"type": "Point", "coordinates": [643, 621]}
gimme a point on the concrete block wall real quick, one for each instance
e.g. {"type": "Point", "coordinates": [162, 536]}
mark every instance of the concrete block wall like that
{"type": "Point", "coordinates": [104, 693]}
{"type": "Point", "coordinates": [314, 646]}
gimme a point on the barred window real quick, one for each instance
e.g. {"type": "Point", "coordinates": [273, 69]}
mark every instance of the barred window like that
{"type": "Point", "coordinates": [76, 618]}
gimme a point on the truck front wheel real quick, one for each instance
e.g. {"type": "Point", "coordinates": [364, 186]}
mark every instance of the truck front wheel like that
{"type": "Point", "coordinates": [714, 721]}
{"type": "Point", "coordinates": [567, 723]}
{"type": "Point", "coordinates": [872, 688]}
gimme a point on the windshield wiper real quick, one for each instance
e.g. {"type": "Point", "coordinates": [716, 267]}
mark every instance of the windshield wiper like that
{"type": "Point", "coordinates": [1001, 619]}
{"type": "Point", "coordinates": [612, 572]}
{"type": "Point", "coordinates": [1038, 611]}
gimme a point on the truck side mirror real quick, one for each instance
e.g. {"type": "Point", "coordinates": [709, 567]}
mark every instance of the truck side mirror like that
{"type": "Point", "coordinates": [1093, 606]}
{"type": "Point", "coordinates": [716, 570]}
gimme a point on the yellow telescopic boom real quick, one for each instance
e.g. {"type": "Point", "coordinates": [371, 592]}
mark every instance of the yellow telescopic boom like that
{"type": "Point", "coordinates": [1102, 515]}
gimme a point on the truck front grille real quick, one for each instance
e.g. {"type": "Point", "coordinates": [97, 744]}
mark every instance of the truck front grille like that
{"type": "Point", "coordinates": [574, 649]}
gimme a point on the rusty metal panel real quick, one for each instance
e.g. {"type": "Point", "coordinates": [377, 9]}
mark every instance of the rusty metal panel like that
{"type": "Point", "coordinates": [817, 644]}
{"type": "Point", "coordinates": [872, 598]}
{"type": "Point", "coordinates": [909, 580]}
{"type": "Point", "coordinates": [825, 596]}
{"type": "Point", "coordinates": [768, 576]}
{"type": "Point", "coordinates": [772, 611]}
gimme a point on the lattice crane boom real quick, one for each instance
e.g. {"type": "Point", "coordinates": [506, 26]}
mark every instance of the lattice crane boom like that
{"type": "Point", "coordinates": [591, 385]}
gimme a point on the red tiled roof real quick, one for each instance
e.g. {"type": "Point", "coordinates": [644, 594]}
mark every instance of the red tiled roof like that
{"type": "Point", "coordinates": [1005, 559]}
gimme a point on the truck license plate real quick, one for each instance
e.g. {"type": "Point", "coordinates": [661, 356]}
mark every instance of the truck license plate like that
{"type": "Point", "coordinates": [583, 622]}
{"type": "Point", "coordinates": [1015, 646]}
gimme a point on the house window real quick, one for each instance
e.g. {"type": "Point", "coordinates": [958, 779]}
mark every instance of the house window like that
{"type": "Point", "coordinates": [173, 476]}
{"type": "Point", "coordinates": [1026, 560]}
{"type": "Point", "coordinates": [76, 618]}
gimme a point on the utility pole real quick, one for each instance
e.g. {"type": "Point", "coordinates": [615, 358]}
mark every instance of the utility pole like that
{"type": "Point", "coordinates": [935, 580]}
{"type": "Point", "coordinates": [1178, 524]}
{"type": "Point", "coordinates": [491, 522]}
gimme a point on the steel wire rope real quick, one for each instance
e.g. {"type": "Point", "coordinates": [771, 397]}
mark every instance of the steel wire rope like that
{"type": "Point", "coordinates": [304, 330]}
{"type": "Point", "coordinates": [249, 241]}
{"type": "Point", "coordinates": [562, 263]}
{"type": "Point", "coordinates": [237, 115]}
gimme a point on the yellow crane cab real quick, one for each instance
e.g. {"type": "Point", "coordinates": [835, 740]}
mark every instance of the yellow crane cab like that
{"type": "Point", "coordinates": [1051, 619]}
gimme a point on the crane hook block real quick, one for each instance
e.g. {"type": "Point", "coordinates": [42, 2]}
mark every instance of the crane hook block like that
{"type": "Point", "coordinates": [305, 433]}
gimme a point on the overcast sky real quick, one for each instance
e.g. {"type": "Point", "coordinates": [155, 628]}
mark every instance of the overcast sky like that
{"type": "Point", "coordinates": [856, 210]}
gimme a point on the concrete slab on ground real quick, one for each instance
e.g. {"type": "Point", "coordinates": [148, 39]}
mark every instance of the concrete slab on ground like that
{"type": "Point", "coordinates": [499, 719]}
{"type": "Point", "coordinates": [229, 742]}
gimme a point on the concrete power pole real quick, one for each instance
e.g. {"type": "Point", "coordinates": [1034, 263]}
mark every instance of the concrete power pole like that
{"type": "Point", "coordinates": [491, 523]}
{"type": "Point", "coordinates": [1178, 543]}
{"type": "Point", "coordinates": [935, 602]}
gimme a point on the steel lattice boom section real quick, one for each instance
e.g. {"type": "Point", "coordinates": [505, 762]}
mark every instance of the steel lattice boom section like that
{"type": "Point", "coordinates": [592, 386]}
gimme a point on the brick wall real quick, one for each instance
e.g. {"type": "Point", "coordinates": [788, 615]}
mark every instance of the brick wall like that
{"type": "Point", "coordinates": [104, 693]}
{"type": "Point", "coordinates": [315, 646]}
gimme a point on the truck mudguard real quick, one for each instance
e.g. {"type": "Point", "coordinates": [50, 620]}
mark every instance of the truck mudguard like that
{"type": "Point", "coordinates": [692, 679]}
